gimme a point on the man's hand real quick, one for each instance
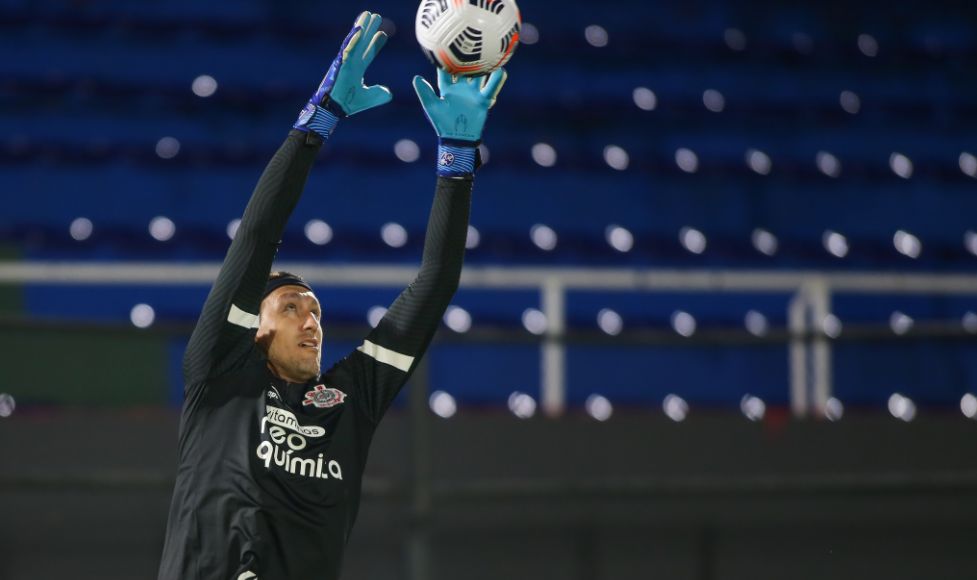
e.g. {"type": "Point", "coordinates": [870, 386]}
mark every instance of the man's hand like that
{"type": "Point", "coordinates": [342, 92]}
{"type": "Point", "coordinates": [458, 117]}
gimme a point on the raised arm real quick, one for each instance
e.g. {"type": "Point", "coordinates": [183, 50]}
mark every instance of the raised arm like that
{"type": "Point", "coordinates": [223, 339]}
{"type": "Point", "coordinates": [391, 352]}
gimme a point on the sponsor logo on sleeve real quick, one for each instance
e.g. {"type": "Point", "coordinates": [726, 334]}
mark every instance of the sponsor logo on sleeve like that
{"type": "Point", "coordinates": [306, 115]}
{"type": "Point", "coordinates": [447, 159]}
{"type": "Point", "coordinates": [322, 396]}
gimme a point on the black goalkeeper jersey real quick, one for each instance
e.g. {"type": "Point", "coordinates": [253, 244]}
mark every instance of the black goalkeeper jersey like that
{"type": "Point", "coordinates": [270, 471]}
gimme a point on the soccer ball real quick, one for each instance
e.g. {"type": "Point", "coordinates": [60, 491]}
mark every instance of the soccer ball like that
{"type": "Point", "coordinates": [468, 38]}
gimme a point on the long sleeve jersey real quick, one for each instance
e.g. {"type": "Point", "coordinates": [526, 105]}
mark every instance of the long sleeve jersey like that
{"type": "Point", "coordinates": [270, 471]}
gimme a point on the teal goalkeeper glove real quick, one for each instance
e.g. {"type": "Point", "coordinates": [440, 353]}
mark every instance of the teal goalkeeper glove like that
{"type": "Point", "coordinates": [458, 117]}
{"type": "Point", "coordinates": [342, 92]}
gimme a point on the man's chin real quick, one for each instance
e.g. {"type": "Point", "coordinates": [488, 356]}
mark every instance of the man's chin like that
{"type": "Point", "coordinates": [300, 370]}
{"type": "Point", "coordinates": [310, 370]}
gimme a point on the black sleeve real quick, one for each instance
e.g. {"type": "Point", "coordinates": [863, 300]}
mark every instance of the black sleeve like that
{"type": "Point", "coordinates": [223, 340]}
{"type": "Point", "coordinates": [390, 353]}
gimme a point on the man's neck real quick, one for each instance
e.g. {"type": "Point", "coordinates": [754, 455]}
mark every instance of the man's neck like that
{"type": "Point", "coordinates": [281, 375]}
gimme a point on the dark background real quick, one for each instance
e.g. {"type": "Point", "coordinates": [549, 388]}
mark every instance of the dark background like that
{"type": "Point", "coordinates": [714, 497]}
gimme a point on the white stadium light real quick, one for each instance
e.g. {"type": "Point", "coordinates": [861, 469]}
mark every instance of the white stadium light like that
{"type": "Point", "coordinates": [522, 405]}
{"type": "Point", "coordinates": [970, 241]}
{"type": "Point", "coordinates": [713, 100]}
{"type": "Point", "coordinates": [544, 154]}
{"type": "Point", "coordinates": [543, 236]}
{"type": "Point", "coordinates": [458, 319]}
{"type": "Point", "coordinates": [599, 407]}
{"type": "Point", "coordinates": [907, 244]}
{"type": "Point", "coordinates": [970, 322]}
{"type": "Point", "coordinates": [900, 323]}
{"type": "Point", "coordinates": [407, 151]}
{"type": "Point", "coordinates": [232, 227]}
{"type": "Point", "coordinates": [753, 407]}
{"type": "Point", "coordinates": [375, 315]}
{"type": "Point", "coordinates": [683, 323]}
{"type": "Point", "coordinates": [756, 323]}
{"type": "Point", "coordinates": [7, 405]}
{"type": "Point", "coordinates": [162, 228]}
{"type": "Point", "coordinates": [831, 325]}
{"type": "Point", "coordinates": [758, 161]}
{"type": "Point", "coordinates": [204, 86]}
{"type": "Point", "coordinates": [318, 232]}
{"type": "Point", "coordinates": [687, 160]}
{"type": "Point", "coordinates": [901, 165]}
{"type": "Point", "coordinates": [142, 315]}
{"type": "Point", "coordinates": [764, 242]}
{"type": "Point", "coordinates": [534, 321]}
{"type": "Point", "coordinates": [394, 235]}
{"type": "Point", "coordinates": [835, 243]}
{"type": "Point", "coordinates": [968, 164]}
{"type": "Point", "coordinates": [675, 407]}
{"type": "Point", "coordinates": [388, 27]}
{"type": "Point", "coordinates": [619, 238]}
{"type": "Point", "coordinates": [167, 147]}
{"type": "Point", "coordinates": [473, 238]}
{"type": "Point", "coordinates": [610, 322]}
{"type": "Point", "coordinates": [735, 39]}
{"type": "Point", "coordinates": [645, 99]}
{"type": "Point", "coordinates": [968, 404]}
{"type": "Point", "coordinates": [530, 34]}
{"type": "Point", "coordinates": [692, 240]}
{"type": "Point", "coordinates": [828, 164]}
{"type": "Point", "coordinates": [596, 36]}
{"type": "Point", "coordinates": [833, 409]}
{"type": "Point", "coordinates": [902, 407]}
{"type": "Point", "coordinates": [442, 404]}
{"type": "Point", "coordinates": [868, 45]}
{"type": "Point", "coordinates": [850, 102]}
{"type": "Point", "coordinates": [80, 229]}
{"type": "Point", "coordinates": [616, 157]}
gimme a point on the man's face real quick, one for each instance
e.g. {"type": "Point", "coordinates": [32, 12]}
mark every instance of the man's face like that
{"type": "Point", "coordinates": [289, 332]}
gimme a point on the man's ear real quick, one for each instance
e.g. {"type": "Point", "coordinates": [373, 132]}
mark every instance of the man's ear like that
{"type": "Point", "coordinates": [264, 340]}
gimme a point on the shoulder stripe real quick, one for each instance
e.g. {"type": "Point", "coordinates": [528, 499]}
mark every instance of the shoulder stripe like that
{"type": "Point", "coordinates": [242, 318]}
{"type": "Point", "coordinates": [385, 355]}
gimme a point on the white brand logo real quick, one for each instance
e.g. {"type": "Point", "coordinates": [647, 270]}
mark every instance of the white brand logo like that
{"type": "Point", "coordinates": [288, 420]}
{"type": "Point", "coordinates": [281, 420]}
{"type": "Point", "coordinates": [298, 465]}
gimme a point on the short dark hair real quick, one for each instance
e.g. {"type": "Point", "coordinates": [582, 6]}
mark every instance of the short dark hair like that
{"type": "Point", "coordinates": [282, 278]}
{"type": "Point", "coordinates": [285, 274]}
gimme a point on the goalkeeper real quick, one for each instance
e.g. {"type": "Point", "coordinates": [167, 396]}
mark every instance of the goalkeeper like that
{"type": "Point", "coordinates": [272, 450]}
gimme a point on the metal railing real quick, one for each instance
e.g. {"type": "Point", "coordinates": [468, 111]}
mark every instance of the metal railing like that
{"type": "Point", "coordinates": [809, 345]}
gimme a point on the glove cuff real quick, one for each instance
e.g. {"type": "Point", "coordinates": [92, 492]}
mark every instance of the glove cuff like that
{"type": "Point", "coordinates": [318, 119]}
{"type": "Point", "coordinates": [457, 158]}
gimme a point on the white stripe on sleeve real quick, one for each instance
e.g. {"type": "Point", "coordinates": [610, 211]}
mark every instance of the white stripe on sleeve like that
{"type": "Point", "coordinates": [242, 318]}
{"type": "Point", "coordinates": [385, 355]}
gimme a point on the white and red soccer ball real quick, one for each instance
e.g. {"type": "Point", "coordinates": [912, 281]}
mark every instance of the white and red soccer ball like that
{"type": "Point", "coordinates": [468, 38]}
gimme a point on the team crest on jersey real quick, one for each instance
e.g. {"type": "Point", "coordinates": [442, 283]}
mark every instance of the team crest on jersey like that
{"type": "Point", "coordinates": [322, 396]}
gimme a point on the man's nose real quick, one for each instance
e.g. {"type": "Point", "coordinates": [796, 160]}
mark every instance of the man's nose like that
{"type": "Point", "coordinates": [311, 322]}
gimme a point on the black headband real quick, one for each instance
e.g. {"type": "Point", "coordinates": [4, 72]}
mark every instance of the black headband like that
{"type": "Point", "coordinates": [276, 283]}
